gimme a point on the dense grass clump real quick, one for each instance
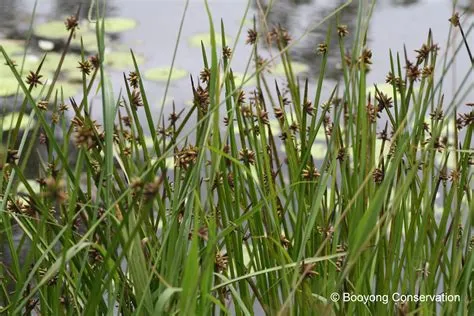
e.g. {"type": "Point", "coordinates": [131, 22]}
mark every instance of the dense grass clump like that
{"type": "Point", "coordinates": [271, 200]}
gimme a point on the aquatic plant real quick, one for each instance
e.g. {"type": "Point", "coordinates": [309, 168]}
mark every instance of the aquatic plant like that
{"type": "Point", "coordinates": [280, 198]}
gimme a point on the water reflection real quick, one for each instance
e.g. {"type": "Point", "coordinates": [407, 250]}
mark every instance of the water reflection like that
{"type": "Point", "coordinates": [68, 7]}
{"type": "Point", "coordinates": [296, 16]}
{"type": "Point", "coordinates": [10, 16]}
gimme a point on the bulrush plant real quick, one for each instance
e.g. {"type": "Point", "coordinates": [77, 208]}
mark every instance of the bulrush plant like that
{"type": "Point", "coordinates": [227, 206]}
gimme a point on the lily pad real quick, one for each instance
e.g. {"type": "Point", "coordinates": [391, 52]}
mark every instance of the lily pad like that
{"type": "Point", "coordinates": [68, 89]}
{"type": "Point", "coordinates": [205, 38]}
{"type": "Point", "coordinates": [71, 62]}
{"type": "Point", "coordinates": [450, 163]}
{"type": "Point", "coordinates": [52, 30]}
{"type": "Point", "coordinates": [8, 87]}
{"type": "Point", "coordinates": [121, 60]}
{"type": "Point", "coordinates": [296, 67]}
{"type": "Point", "coordinates": [238, 79]}
{"type": "Point", "coordinates": [169, 162]}
{"type": "Point", "coordinates": [35, 186]}
{"type": "Point", "coordinates": [12, 47]}
{"type": "Point", "coordinates": [89, 39]}
{"type": "Point", "coordinates": [30, 63]}
{"type": "Point", "coordinates": [117, 24]}
{"type": "Point", "coordinates": [162, 73]}
{"type": "Point", "coordinates": [318, 151]}
{"type": "Point", "coordinates": [10, 120]}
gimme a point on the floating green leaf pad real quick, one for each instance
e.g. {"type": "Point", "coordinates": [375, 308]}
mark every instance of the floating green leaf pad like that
{"type": "Point", "coordinates": [10, 120]}
{"type": "Point", "coordinates": [195, 40]}
{"type": "Point", "coordinates": [238, 79]}
{"type": "Point", "coordinates": [69, 90]}
{"type": "Point", "coordinates": [117, 24]}
{"type": "Point", "coordinates": [53, 30]}
{"type": "Point", "coordinates": [8, 86]}
{"type": "Point", "coordinates": [71, 62]}
{"type": "Point", "coordinates": [12, 47]}
{"type": "Point", "coordinates": [296, 67]}
{"type": "Point", "coordinates": [162, 73]}
{"type": "Point", "coordinates": [89, 40]}
{"type": "Point", "coordinates": [35, 186]}
{"type": "Point", "coordinates": [121, 60]}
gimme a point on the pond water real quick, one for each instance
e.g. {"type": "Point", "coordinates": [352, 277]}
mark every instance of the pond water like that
{"type": "Point", "coordinates": [394, 23]}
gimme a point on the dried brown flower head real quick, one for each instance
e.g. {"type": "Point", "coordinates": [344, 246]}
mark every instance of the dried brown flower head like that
{"type": "Point", "coordinates": [465, 119]}
{"type": "Point", "coordinates": [186, 157]}
{"type": "Point", "coordinates": [55, 190]}
{"type": "Point", "coordinates": [33, 79]}
{"type": "Point", "coordinates": [384, 101]}
{"type": "Point", "coordinates": [454, 19]}
{"type": "Point", "coordinates": [133, 79]}
{"type": "Point", "coordinates": [85, 134]}
{"type": "Point", "coordinates": [306, 270]}
{"type": "Point", "coordinates": [284, 241]}
{"type": "Point", "coordinates": [372, 112]}
{"type": "Point", "coordinates": [241, 97]}
{"type": "Point", "coordinates": [251, 36]}
{"type": "Point", "coordinates": [247, 156]}
{"type": "Point", "coordinates": [378, 175]}
{"type": "Point", "coordinates": [226, 52]}
{"type": "Point", "coordinates": [342, 30]}
{"type": "Point", "coordinates": [12, 156]}
{"type": "Point", "coordinates": [136, 98]}
{"type": "Point", "coordinates": [127, 121]}
{"type": "Point", "coordinates": [427, 71]}
{"type": "Point", "coordinates": [94, 60]}
{"type": "Point", "coordinates": [85, 67]}
{"type": "Point", "coordinates": [221, 262]}
{"type": "Point", "coordinates": [202, 233]}
{"type": "Point", "coordinates": [424, 52]}
{"type": "Point", "coordinates": [366, 57]}
{"type": "Point", "coordinates": [310, 173]}
{"type": "Point", "coordinates": [43, 105]}
{"type": "Point", "coordinates": [263, 117]}
{"type": "Point", "coordinates": [341, 154]}
{"type": "Point", "coordinates": [246, 111]}
{"type": "Point", "coordinates": [201, 98]}
{"type": "Point", "coordinates": [151, 189]}
{"type": "Point", "coordinates": [322, 48]}
{"type": "Point", "coordinates": [413, 71]}
{"type": "Point", "coordinates": [63, 108]}
{"type": "Point", "coordinates": [279, 114]}
{"type": "Point", "coordinates": [205, 75]}
{"type": "Point", "coordinates": [437, 115]}
{"type": "Point", "coordinates": [71, 23]}
{"type": "Point", "coordinates": [308, 107]}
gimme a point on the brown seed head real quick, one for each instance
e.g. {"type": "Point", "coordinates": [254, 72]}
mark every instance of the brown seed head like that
{"type": "Point", "coordinates": [85, 67]}
{"type": "Point", "coordinates": [71, 23]}
{"type": "Point", "coordinates": [342, 30]}
{"type": "Point", "coordinates": [454, 19]}
{"type": "Point", "coordinates": [133, 79]}
{"type": "Point", "coordinates": [33, 79]}
{"type": "Point", "coordinates": [322, 48]}
{"type": "Point", "coordinates": [251, 36]}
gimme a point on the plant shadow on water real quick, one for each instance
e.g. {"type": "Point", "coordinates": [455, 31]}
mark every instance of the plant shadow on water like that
{"type": "Point", "coordinates": [251, 179]}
